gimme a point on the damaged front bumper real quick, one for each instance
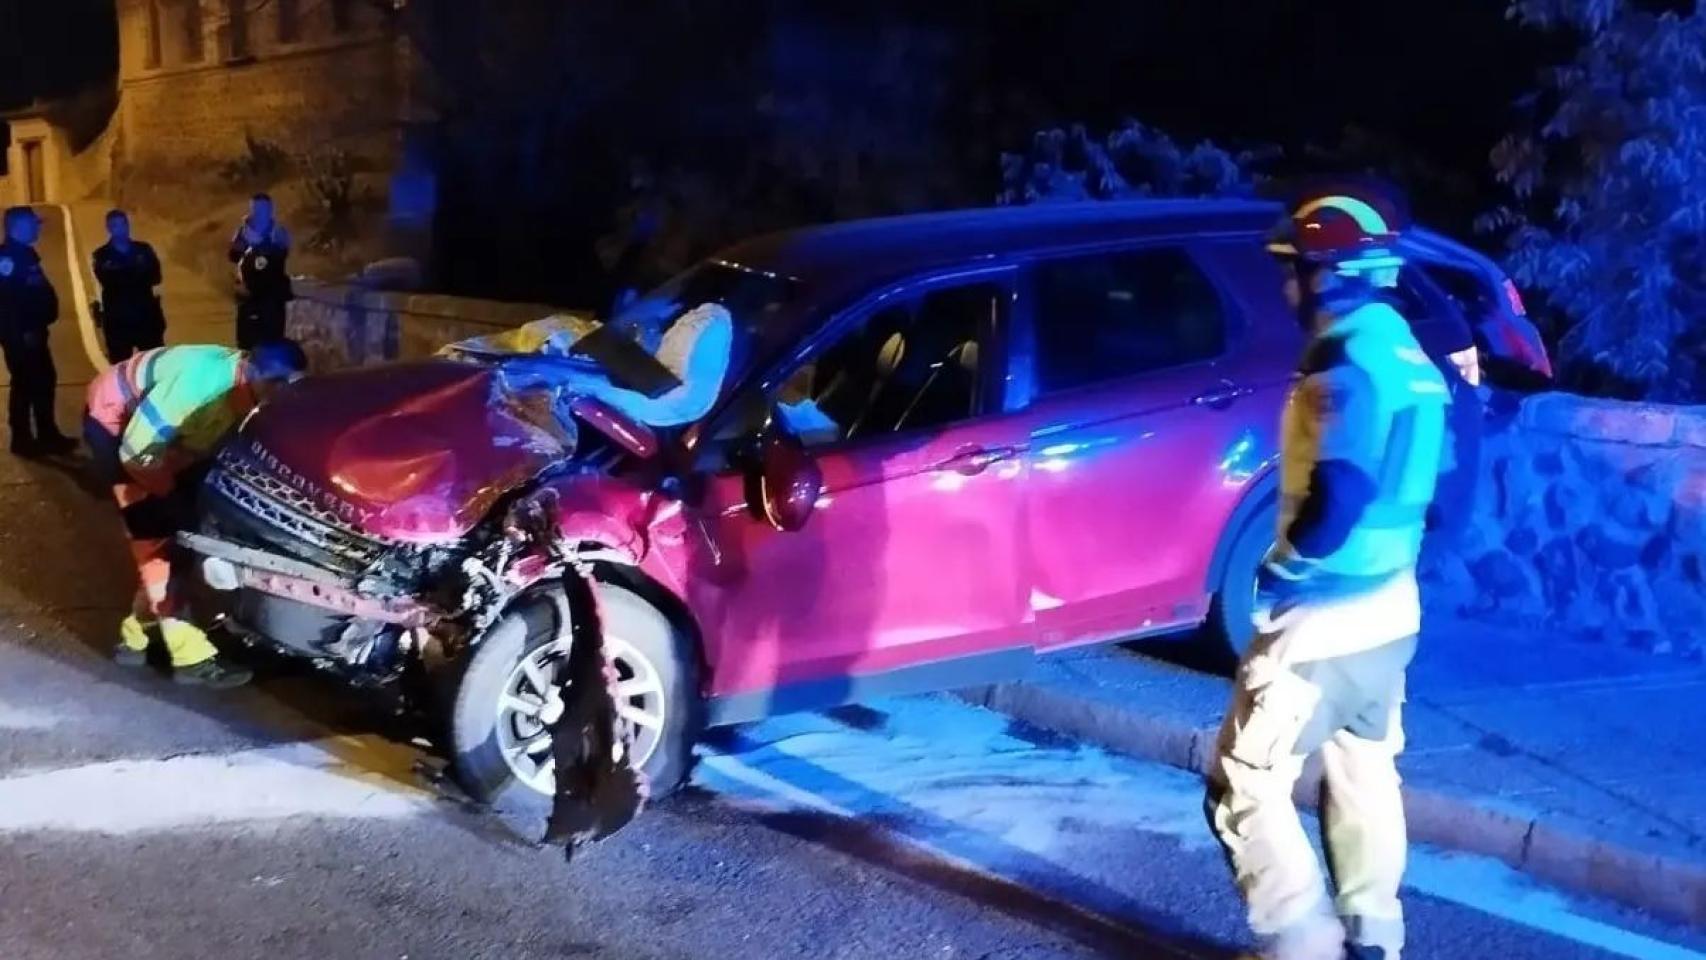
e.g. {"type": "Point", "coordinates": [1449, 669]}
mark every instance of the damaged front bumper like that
{"type": "Point", "coordinates": [229, 567]}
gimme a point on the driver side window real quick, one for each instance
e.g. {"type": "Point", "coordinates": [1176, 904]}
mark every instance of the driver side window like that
{"type": "Point", "coordinates": [912, 365]}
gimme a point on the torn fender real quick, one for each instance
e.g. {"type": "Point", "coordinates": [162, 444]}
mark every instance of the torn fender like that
{"type": "Point", "coordinates": [597, 509]}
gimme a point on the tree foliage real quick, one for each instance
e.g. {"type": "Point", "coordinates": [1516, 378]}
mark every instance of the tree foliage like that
{"type": "Point", "coordinates": [591, 145]}
{"type": "Point", "coordinates": [1132, 160]}
{"type": "Point", "coordinates": [1608, 221]}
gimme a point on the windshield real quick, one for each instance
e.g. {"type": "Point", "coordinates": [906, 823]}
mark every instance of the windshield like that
{"type": "Point", "coordinates": [754, 301]}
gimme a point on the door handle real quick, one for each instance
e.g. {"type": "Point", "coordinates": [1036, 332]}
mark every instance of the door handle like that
{"type": "Point", "coordinates": [971, 461]}
{"type": "Point", "coordinates": [1220, 396]}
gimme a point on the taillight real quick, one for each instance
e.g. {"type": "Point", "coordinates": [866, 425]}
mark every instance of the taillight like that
{"type": "Point", "coordinates": [1468, 364]}
{"type": "Point", "coordinates": [1513, 296]}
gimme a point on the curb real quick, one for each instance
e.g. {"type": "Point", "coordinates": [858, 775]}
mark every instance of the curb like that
{"type": "Point", "coordinates": [1550, 848]}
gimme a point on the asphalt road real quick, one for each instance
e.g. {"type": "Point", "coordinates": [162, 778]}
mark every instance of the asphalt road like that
{"type": "Point", "coordinates": [142, 820]}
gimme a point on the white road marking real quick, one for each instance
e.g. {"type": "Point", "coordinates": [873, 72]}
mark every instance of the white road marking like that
{"type": "Point", "coordinates": [958, 767]}
{"type": "Point", "coordinates": [74, 263]}
{"type": "Point", "coordinates": [23, 718]}
{"type": "Point", "coordinates": [330, 778]}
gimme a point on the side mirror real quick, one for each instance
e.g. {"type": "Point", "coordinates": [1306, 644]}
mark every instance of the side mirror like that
{"type": "Point", "coordinates": [784, 485]}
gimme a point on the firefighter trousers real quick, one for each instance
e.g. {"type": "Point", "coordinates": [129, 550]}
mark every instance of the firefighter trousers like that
{"type": "Point", "coordinates": [1284, 708]}
{"type": "Point", "coordinates": [151, 523]}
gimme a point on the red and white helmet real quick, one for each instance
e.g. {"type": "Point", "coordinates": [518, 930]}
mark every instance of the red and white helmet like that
{"type": "Point", "coordinates": [1352, 229]}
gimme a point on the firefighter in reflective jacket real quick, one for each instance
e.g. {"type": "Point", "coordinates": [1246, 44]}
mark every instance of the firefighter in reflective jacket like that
{"type": "Point", "coordinates": [1337, 608]}
{"type": "Point", "coordinates": [260, 248]}
{"type": "Point", "coordinates": [152, 425]}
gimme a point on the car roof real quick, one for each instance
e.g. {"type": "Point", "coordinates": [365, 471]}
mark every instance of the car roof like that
{"type": "Point", "coordinates": [858, 254]}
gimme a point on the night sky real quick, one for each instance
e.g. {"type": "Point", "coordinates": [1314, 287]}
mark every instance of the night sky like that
{"type": "Point", "coordinates": [1436, 76]}
{"type": "Point", "coordinates": [54, 47]}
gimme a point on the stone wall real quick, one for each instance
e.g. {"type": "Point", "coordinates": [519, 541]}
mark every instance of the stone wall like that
{"type": "Point", "coordinates": [1590, 521]}
{"type": "Point", "coordinates": [342, 325]}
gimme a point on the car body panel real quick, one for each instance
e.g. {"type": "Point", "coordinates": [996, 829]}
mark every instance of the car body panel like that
{"type": "Point", "coordinates": [416, 452]}
{"type": "Point", "coordinates": [1097, 513]}
{"type": "Point", "coordinates": [910, 557]}
{"type": "Point", "coordinates": [1133, 481]}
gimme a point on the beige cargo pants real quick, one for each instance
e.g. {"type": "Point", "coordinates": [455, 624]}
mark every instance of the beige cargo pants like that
{"type": "Point", "coordinates": [1285, 707]}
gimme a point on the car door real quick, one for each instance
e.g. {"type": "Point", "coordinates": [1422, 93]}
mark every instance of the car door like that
{"type": "Point", "coordinates": [905, 577]}
{"type": "Point", "coordinates": [1154, 407]}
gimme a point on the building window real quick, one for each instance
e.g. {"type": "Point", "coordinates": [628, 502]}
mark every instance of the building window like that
{"type": "Point", "coordinates": [236, 29]}
{"type": "Point", "coordinates": [343, 15]}
{"type": "Point", "coordinates": [155, 41]}
{"type": "Point", "coordinates": [289, 21]}
{"type": "Point", "coordinates": [193, 35]}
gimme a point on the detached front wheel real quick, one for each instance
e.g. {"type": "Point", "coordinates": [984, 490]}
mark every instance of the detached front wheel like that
{"type": "Point", "coordinates": [507, 700]}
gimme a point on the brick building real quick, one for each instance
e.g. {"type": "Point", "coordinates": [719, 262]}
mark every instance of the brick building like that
{"type": "Point", "coordinates": [198, 77]}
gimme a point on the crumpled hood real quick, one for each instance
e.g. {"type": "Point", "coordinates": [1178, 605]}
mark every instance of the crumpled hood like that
{"type": "Point", "coordinates": [417, 452]}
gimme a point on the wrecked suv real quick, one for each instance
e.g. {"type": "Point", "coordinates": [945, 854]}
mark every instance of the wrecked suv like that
{"type": "Point", "coordinates": [943, 445]}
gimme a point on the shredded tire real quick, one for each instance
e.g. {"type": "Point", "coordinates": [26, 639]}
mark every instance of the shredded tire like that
{"type": "Point", "coordinates": [539, 619]}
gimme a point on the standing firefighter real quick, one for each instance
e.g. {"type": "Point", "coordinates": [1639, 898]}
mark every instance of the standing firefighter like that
{"type": "Point", "coordinates": [128, 271]}
{"type": "Point", "coordinates": [153, 423]}
{"type": "Point", "coordinates": [28, 307]}
{"type": "Point", "coordinates": [260, 248]}
{"type": "Point", "coordinates": [1338, 611]}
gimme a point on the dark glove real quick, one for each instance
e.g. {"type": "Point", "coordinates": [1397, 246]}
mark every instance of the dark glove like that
{"type": "Point", "coordinates": [1279, 579]}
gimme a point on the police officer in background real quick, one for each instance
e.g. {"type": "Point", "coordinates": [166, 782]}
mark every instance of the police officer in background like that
{"type": "Point", "coordinates": [28, 307]}
{"type": "Point", "coordinates": [260, 249]}
{"type": "Point", "coordinates": [1337, 607]}
{"type": "Point", "coordinates": [128, 271]}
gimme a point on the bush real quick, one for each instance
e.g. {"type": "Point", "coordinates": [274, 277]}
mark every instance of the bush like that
{"type": "Point", "coordinates": [1132, 161]}
{"type": "Point", "coordinates": [261, 164]}
{"type": "Point", "coordinates": [1608, 222]}
{"type": "Point", "coordinates": [330, 184]}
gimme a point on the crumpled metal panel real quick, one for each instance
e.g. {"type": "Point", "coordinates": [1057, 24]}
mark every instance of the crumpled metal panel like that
{"type": "Point", "coordinates": [416, 452]}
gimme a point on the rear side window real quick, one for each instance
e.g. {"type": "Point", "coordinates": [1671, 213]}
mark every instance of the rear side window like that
{"type": "Point", "coordinates": [1436, 320]}
{"type": "Point", "coordinates": [1468, 291]}
{"type": "Point", "coordinates": [1113, 315]}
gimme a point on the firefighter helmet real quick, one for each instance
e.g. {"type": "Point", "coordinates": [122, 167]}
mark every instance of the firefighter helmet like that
{"type": "Point", "coordinates": [1348, 229]}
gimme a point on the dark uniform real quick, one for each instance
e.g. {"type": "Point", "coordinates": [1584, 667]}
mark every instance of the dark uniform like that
{"type": "Point", "coordinates": [28, 306]}
{"type": "Point", "coordinates": [131, 318]}
{"type": "Point", "coordinates": [263, 285]}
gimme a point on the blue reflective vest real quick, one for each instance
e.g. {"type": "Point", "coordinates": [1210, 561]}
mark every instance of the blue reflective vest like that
{"type": "Point", "coordinates": [1369, 398]}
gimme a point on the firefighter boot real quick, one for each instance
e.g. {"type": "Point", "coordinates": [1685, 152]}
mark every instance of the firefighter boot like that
{"type": "Point", "coordinates": [195, 661]}
{"type": "Point", "coordinates": [132, 649]}
{"type": "Point", "coordinates": [1315, 938]}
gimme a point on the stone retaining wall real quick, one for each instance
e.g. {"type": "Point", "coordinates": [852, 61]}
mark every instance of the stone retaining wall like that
{"type": "Point", "coordinates": [1590, 521]}
{"type": "Point", "coordinates": [345, 325]}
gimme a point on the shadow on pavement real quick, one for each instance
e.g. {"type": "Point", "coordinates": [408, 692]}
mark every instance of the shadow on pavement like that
{"type": "Point", "coordinates": [66, 580]}
{"type": "Point", "coordinates": [1193, 651]}
{"type": "Point", "coordinates": [872, 842]}
{"type": "Point", "coordinates": [76, 468]}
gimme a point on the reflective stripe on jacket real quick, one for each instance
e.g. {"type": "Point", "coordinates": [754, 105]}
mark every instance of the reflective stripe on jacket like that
{"type": "Point", "coordinates": [171, 406]}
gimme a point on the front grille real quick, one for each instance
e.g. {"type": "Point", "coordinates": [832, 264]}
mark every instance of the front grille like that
{"type": "Point", "coordinates": [265, 508]}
